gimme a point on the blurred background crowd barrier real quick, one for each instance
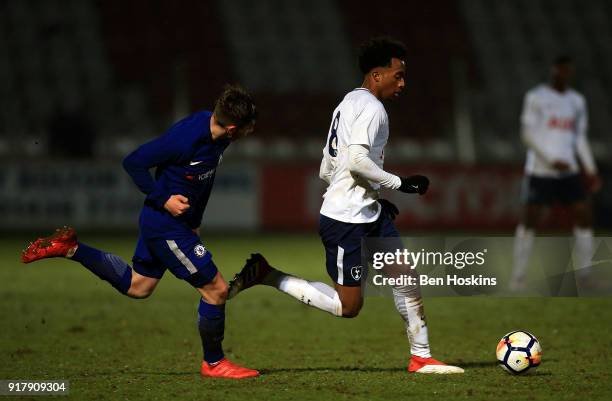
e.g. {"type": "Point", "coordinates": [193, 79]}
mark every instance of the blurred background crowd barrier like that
{"type": "Point", "coordinates": [84, 82]}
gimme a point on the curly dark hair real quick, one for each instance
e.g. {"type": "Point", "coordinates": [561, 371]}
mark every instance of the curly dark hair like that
{"type": "Point", "coordinates": [563, 59]}
{"type": "Point", "coordinates": [378, 52]}
{"type": "Point", "coordinates": [235, 106]}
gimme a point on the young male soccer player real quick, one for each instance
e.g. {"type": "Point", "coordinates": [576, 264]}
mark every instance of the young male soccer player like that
{"type": "Point", "coordinates": [352, 166]}
{"type": "Point", "coordinates": [554, 128]}
{"type": "Point", "coordinates": [186, 159]}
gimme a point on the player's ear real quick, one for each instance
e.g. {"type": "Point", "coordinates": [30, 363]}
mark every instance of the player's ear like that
{"type": "Point", "coordinates": [231, 130]}
{"type": "Point", "coordinates": [376, 75]}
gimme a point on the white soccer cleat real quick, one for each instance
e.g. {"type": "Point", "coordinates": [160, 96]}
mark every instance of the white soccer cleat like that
{"type": "Point", "coordinates": [430, 365]}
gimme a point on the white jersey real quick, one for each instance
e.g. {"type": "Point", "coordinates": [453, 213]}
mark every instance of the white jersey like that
{"type": "Point", "coordinates": [360, 119]}
{"type": "Point", "coordinates": [554, 125]}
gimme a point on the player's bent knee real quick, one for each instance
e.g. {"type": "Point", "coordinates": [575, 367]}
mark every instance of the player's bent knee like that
{"type": "Point", "coordinates": [140, 293]}
{"type": "Point", "coordinates": [216, 291]}
{"type": "Point", "coordinates": [350, 312]}
{"type": "Point", "coordinates": [351, 299]}
{"type": "Point", "coordinates": [141, 286]}
{"type": "Point", "coordinates": [219, 286]}
{"type": "Point", "coordinates": [222, 291]}
{"type": "Point", "coordinates": [352, 309]}
{"type": "Point", "coordinates": [141, 290]}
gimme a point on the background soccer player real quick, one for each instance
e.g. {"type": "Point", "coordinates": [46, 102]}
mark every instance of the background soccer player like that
{"type": "Point", "coordinates": [554, 128]}
{"type": "Point", "coordinates": [352, 166]}
{"type": "Point", "coordinates": [186, 158]}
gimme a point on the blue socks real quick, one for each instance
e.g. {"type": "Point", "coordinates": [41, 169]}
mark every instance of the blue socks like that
{"type": "Point", "coordinates": [107, 266]}
{"type": "Point", "coordinates": [211, 323]}
{"type": "Point", "coordinates": [111, 268]}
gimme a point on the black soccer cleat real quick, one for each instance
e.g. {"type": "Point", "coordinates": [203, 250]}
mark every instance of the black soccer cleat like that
{"type": "Point", "coordinates": [254, 271]}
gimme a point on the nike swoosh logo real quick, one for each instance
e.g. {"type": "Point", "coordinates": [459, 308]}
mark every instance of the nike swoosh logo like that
{"type": "Point", "coordinates": [196, 163]}
{"type": "Point", "coordinates": [415, 186]}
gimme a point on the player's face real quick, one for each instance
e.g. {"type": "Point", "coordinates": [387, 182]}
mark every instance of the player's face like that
{"type": "Point", "coordinates": [392, 79]}
{"type": "Point", "coordinates": [242, 132]}
{"type": "Point", "coordinates": [562, 74]}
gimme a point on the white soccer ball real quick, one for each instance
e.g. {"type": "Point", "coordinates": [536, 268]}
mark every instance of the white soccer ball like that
{"type": "Point", "coordinates": [518, 351]}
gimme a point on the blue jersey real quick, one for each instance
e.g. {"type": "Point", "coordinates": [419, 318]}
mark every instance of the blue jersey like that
{"type": "Point", "coordinates": [186, 159]}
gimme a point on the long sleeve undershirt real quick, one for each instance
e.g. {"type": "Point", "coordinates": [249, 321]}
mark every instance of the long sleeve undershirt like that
{"type": "Point", "coordinates": [361, 164]}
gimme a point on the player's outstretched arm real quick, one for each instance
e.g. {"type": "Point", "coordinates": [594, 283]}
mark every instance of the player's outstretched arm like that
{"type": "Point", "coordinates": [362, 165]}
{"type": "Point", "coordinates": [159, 151]}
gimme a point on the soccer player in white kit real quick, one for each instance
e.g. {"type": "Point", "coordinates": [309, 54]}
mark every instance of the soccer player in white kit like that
{"type": "Point", "coordinates": [554, 125]}
{"type": "Point", "coordinates": [352, 165]}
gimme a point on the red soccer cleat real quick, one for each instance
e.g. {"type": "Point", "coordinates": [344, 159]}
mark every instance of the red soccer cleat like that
{"type": "Point", "coordinates": [226, 369]}
{"type": "Point", "coordinates": [430, 365]}
{"type": "Point", "coordinates": [62, 241]}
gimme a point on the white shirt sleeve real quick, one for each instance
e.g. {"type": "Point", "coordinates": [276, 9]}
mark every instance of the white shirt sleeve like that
{"type": "Point", "coordinates": [530, 119]}
{"type": "Point", "coordinates": [583, 149]}
{"type": "Point", "coordinates": [366, 125]}
{"type": "Point", "coordinates": [531, 114]}
{"type": "Point", "coordinates": [325, 171]}
{"type": "Point", "coordinates": [361, 164]}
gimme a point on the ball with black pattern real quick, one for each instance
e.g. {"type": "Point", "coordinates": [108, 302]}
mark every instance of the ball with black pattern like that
{"type": "Point", "coordinates": [519, 351]}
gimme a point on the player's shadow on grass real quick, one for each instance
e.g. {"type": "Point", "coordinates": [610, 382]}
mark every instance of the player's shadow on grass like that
{"type": "Point", "coordinates": [268, 371]}
{"type": "Point", "coordinates": [330, 369]}
{"type": "Point", "coordinates": [189, 373]}
{"type": "Point", "coordinates": [367, 369]}
{"type": "Point", "coordinates": [465, 365]}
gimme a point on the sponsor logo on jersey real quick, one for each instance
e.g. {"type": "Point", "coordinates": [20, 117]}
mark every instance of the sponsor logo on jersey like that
{"type": "Point", "coordinates": [200, 177]}
{"type": "Point", "coordinates": [199, 250]}
{"type": "Point", "coordinates": [566, 124]}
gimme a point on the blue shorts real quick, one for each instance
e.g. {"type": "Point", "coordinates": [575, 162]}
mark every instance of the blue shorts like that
{"type": "Point", "coordinates": [546, 190]}
{"type": "Point", "coordinates": [342, 242]}
{"type": "Point", "coordinates": [183, 254]}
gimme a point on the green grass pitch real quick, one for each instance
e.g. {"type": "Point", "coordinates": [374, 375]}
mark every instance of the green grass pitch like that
{"type": "Point", "coordinates": [58, 321]}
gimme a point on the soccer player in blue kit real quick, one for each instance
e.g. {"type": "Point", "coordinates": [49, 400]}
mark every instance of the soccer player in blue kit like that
{"type": "Point", "coordinates": [186, 158]}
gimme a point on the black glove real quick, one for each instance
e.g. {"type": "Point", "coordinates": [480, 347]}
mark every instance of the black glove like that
{"type": "Point", "coordinates": [388, 208]}
{"type": "Point", "coordinates": [415, 184]}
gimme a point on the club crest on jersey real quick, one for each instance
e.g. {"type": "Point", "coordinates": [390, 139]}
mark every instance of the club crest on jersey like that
{"type": "Point", "coordinates": [199, 250]}
{"type": "Point", "coordinates": [356, 272]}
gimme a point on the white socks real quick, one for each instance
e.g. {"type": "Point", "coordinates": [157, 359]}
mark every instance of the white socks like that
{"type": "Point", "coordinates": [409, 304]}
{"type": "Point", "coordinates": [316, 294]}
{"type": "Point", "coordinates": [321, 296]}
{"type": "Point", "coordinates": [523, 242]}
{"type": "Point", "coordinates": [583, 251]}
